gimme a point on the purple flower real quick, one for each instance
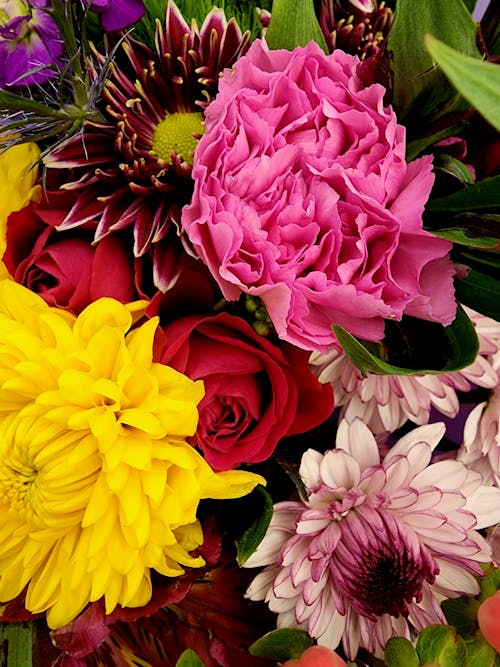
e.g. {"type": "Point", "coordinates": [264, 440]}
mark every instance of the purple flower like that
{"type": "Point", "coordinates": [29, 40]}
{"type": "Point", "coordinates": [377, 545]}
{"type": "Point", "coordinates": [117, 14]}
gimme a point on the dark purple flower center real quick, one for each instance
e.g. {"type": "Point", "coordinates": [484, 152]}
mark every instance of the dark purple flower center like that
{"type": "Point", "coordinates": [380, 565]}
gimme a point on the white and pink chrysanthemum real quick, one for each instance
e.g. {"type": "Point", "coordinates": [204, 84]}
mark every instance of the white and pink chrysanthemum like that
{"type": "Point", "coordinates": [480, 449]}
{"type": "Point", "coordinates": [377, 545]}
{"type": "Point", "coordinates": [386, 402]}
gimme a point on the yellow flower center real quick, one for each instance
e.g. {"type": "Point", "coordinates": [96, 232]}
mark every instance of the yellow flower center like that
{"type": "Point", "coordinates": [16, 480]}
{"type": "Point", "coordinates": [35, 484]}
{"type": "Point", "coordinates": [176, 134]}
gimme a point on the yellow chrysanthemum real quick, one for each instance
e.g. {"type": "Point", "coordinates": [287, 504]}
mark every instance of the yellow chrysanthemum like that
{"type": "Point", "coordinates": [17, 183]}
{"type": "Point", "coordinates": [97, 483]}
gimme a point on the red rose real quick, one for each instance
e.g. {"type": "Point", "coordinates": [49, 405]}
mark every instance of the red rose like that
{"type": "Point", "coordinates": [255, 392]}
{"type": "Point", "coordinates": [64, 267]}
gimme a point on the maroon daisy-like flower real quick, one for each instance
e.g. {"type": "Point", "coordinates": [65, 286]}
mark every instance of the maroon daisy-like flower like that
{"type": "Point", "coordinates": [359, 27]}
{"type": "Point", "coordinates": [134, 168]}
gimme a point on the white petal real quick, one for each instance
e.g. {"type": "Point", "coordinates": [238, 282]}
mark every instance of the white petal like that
{"type": "Point", "coordinates": [398, 473]}
{"type": "Point", "coordinates": [417, 398]}
{"type": "Point", "coordinates": [311, 526]}
{"type": "Point", "coordinates": [425, 500]}
{"type": "Point", "coordinates": [339, 470]}
{"type": "Point", "coordinates": [357, 439]}
{"type": "Point", "coordinates": [425, 520]}
{"type": "Point", "coordinates": [334, 626]}
{"type": "Point", "coordinates": [485, 505]}
{"type": "Point", "coordinates": [391, 414]}
{"type": "Point", "coordinates": [262, 583]}
{"type": "Point", "coordinates": [471, 428]}
{"type": "Point", "coordinates": [404, 500]}
{"type": "Point", "coordinates": [455, 578]}
{"type": "Point", "coordinates": [309, 468]}
{"type": "Point", "coordinates": [361, 443]}
{"type": "Point", "coordinates": [445, 475]}
{"type": "Point", "coordinates": [430, 434]}
{"type": "Point", "coordinates": [446, 534]}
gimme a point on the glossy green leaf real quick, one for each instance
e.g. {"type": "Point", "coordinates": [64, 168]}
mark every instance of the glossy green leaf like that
{"type": "Point", "coordinates": [399, 652]}
{"type": "Point", "coordinates": [480, 288]}
{"type": "Point", "coordinates": [477, 81]}
{"type": "Point", "coordinates": [447, 164]}
{"type": "Point", "coordinates": [461, 613]}
{"type": "Point", "coordinates": [481, 654]}
{"type": "Point", "coordinates": [282, 644]}
{"type": "Point", "coordinates": [189, 659]}
{"type": "Point", "coordinates": [414, 346]}
{"type": "Point", "coordinates": [474, 231]}
{"type": "Point", "coordinates": [420, 90]}
{"type": "Point", "coordinates": [480, 292]}
{"type": "Point", "coordinates": [490, 584]}
{"type": "Point", "coordinates": [479, 196]}
{"type": "Point", "coordinates": [294, 24]}
{"type": "Point", "coordinates": [261, 504]}
{"type": "Point", "coordinates": [441, 645]}
{"type": "Point", "coordinates": [15, 644]}
{"type": "Point", "coordinates": [417, 146]}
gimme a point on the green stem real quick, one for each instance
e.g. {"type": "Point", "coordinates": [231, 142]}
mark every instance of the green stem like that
{"type": "Point", "coordinates": [62, 15]}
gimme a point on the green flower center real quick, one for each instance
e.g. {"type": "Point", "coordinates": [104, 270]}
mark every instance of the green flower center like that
{"type": "Point", "coordinates": [175, 134]}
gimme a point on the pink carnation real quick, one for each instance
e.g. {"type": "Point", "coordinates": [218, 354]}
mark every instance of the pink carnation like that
{"type": "Point", "coordinates": [303, 198]}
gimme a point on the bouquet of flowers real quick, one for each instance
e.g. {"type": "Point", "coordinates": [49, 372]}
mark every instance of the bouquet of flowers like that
{"type": "Point", "coordinates": [249, 333]}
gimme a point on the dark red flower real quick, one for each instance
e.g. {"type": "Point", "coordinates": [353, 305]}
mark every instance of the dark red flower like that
{"type": "Point", "coordinates": [64, 267]}
{"type": "Point", "coordinates": [133, 169]}
{"type": "Point", "coordinates": [359, 27]}
{"type": "Point", "coordinates": [255, 392]}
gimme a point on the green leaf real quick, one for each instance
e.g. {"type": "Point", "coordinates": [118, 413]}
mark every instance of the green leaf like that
{"type": "Point", "coordinates": [490, 584]}
{"type": "Point", "coordinates": [261, 504]}
{"type": "Point", "coordinates": [294, 24]}
{"type": "Point", "coordinates": [474, 231]}
{"type": "Point", "coordinates": [461, 613]}
{"type": "Point", "coordinates": [415, 147]}
{"type": "Point", "coordinates": [479, 292]}
{"type": "Point", "coordinates": [189, 659]}
{"type": "Point", "coordinates": [440, 644]}
{"type": "Point", "coordinates": [470, 216]}
{"type": "Point", "coordinates": [414, 346]}
{"type": "Point", "coordinates": [399, 652]}
{"type": "Point", "coordinates": [15, 644]}
{"type": "Point", "coordinates": [420, 90]}
{"type": "Point", "coordinates": [282, 644]}
{"type": "Point", "coordinates": [447, 164]}
{"type": "Point", "coordinates": [476, 197]}
{"type": "Point", "coordinates": [480, 288]}
{"type": "Point", "coordinates": [477, 81]}
{"type": "Point", "coordinates": [481, 654]}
